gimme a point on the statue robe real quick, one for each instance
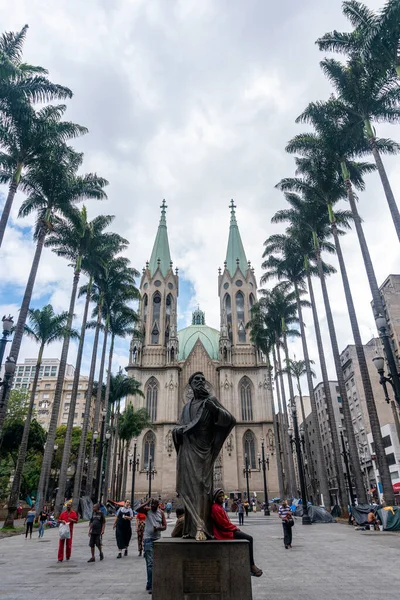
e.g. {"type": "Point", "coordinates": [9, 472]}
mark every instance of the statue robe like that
{"type": "Point", "coordinates": [198, 440]}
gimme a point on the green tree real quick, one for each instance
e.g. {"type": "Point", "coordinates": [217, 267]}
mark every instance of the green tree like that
{"type": "Point", "coordinates": [45, 327]}
{"type": "Point", "coordinates": [131, 424]}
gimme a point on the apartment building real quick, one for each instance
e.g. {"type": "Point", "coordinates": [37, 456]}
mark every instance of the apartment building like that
{"type": "Point", "coordinates": [25, 372]}
{"type": "Point", "coordinates": [390, 292]}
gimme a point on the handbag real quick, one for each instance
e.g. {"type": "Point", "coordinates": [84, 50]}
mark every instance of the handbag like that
{"type": "Point", "coordinates": [290, 522]}
{"type": "Point", "coordinates": [64, 531]}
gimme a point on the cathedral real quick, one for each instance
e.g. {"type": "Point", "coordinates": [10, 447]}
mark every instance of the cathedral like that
{"type": "Point", "coordinates": [163, 358]}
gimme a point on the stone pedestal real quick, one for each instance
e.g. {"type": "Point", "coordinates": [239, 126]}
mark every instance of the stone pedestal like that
{"type": "Point", "coordinates": [211, 570]}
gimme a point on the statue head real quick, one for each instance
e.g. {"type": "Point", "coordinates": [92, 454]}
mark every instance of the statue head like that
{"type": "Point", "coordinates": [197, 382]}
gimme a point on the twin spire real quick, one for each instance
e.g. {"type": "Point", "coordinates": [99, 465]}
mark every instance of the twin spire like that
{"type": "Point", "coordinates": [161, 256]}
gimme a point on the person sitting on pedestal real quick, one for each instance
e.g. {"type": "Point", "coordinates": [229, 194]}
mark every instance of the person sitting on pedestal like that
{"type": "Point", "coordinates": [224, 529]}
{"type": "Point", "coordinates": [180, 522]}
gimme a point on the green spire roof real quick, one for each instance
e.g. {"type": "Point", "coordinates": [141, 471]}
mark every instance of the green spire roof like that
{"type": "Point", "coordinates": [235, 249]}
{"type": "Point", "coordinates": [161, 257]}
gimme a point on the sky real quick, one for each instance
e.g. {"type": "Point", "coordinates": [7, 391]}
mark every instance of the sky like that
{"type": "Point", "coordinates": [192, 101]}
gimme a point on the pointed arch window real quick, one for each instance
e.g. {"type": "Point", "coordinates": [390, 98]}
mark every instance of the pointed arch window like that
{"type": "Point", "coordinates": [149, 448]}
{"type": "Point", "coordinates": [249, 447]}
{"type": "Point", "coordinates": [145, 307]}
{"type": "Point", "coordinates": [168, 310]}
{"type": "Point", "coordinates": [152, 398]}
{"type": "Point", "coordinates": [228, 310]}
{"type": "Point", "coordinates": [240, 317]}
{"type": "Point", "coordinates": [246, 399]}
{"type": "Point", "coordinates": [155, 332]}
{"type": "Point", "coordinates": [251, 300]}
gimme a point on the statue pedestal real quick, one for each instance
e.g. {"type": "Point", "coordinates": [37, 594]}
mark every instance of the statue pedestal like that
{"type": "Point", "coordinates": [211, 570]}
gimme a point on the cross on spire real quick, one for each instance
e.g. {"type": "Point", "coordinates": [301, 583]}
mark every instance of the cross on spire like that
{"type": "Point", "coordinates": [163, 207]}
{"type": "Point", "coordinates": [232, 206]}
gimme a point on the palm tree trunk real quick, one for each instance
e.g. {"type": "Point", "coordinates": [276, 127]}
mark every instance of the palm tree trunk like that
{"type": "Point", "coordinates": [16, 485]}
{"type": "Point", "coordinates": [321, 466]}
{"type": "Point", "coordinates": [85, 428]}
{"type": "Point", "coordinates": [97, 409]}
{"type": "Point", "coordinates": [115, 455]}
{"type": "Point", "coordinates": [337, 463]}
{"type": "Point", "coordinates": [383, 466]}
{"type": "Point", "coordinates": [348, 422]}
{"type": "Point", "coordinates": [12, 190]}
{"type": "Point", "coordinates": [107, 407]}
{"type": "Point", "coordinates": [309, 471]}
{"type": "Point", "coordinates": [291, 395]}
{"type": "Point", "coordinates": [394, 211]}
{"type": "Point", "coordinates": [23, 314]}
{"type": "Point", "coordinates": [51, 434]}
{"type": "Point", "coordinates": [280, 421]}
{"type": "Point", "coordinates": [276, 433]}
{"type": "Point", "coordinates": [62, 481]}
{"type": "Point", "coordinates": [291, 472]}
{"type": "Point", "coordinates": [125, 478]}
{"type": "Point", "coordinates": [120, 466]}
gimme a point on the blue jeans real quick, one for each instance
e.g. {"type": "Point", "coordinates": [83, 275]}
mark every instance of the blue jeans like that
{"type": "Point", "coordinates": [41, 528]}
{"type": "Point", "coordinates": [149, 556]}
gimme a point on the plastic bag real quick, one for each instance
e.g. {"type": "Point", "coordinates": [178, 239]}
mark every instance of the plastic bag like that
{"type": "Point", "coordinates": [64, 531]}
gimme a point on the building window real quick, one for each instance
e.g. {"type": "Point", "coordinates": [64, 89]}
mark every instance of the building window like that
{"type": "Point", "coordinates": [391, 459]}
{"type": "Point", "coordinates": [387, 441]}
{"type": "Point", "coordinates": [394, 475]}
{"type": "Point", "coordinates": [228, 310]}
{"type": "Point", "coordinates": [155, 333]}
{"type": "Point", "coordinates": [250, 448]}
{"type": "Point", "coordinates": [168, 310]}
{"type": "Point", "coordinates": [240, 317]}
{"type": "Point", "coordinates": [145, 306]}
{"type": "Point", "coordinates": [245, 399]}
{"type": "Point", "coordinates": [149, 446]}
{"type": "Point", "coordinates": [151, 398]}
{"type": "Point", "coordinates": [46, 396]}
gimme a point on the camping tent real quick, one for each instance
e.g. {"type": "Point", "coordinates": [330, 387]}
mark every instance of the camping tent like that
{"type": "Point", "coordinates": [317, 514]}
{"type": "Point", "coordinates": [390, 518]}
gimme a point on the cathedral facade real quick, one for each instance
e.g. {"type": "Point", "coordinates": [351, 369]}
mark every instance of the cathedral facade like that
{"type": "Point", "coordinates": [163, 358]}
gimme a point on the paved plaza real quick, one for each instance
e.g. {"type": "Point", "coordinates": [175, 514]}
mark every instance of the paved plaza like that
{"type": "Point", "coordinates": [327, 562]}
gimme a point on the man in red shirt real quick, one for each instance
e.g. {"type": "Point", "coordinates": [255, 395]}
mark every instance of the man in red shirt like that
{"type": "Point", "coordinates": [67, 516]}
{"type": "Point", "coordinates": [224, 529]}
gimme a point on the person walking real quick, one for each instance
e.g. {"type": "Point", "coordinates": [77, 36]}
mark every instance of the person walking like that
{"type": "Point", "coordinates": [240, 510]}
{"type": "Point", "coordinates": [224, 529]}
{"type": "Point", "coordinates": [67, 516]}
{"type": "Point", "coordinates": [123, 528]}
{"type": "Point", "coordinates": [286, 516]}
{"type": "Point", "coordinates": [168, 508]}
{"type": "Point", "coordinates": [19, 511]}
{"type": "Point", "coordinates": [29, 520]}
{"type": "Point", "coordinates": [155, 524]}
{"type": "Point", "coordinates": [140, 524]}
{"type": "Point", "coordinates": [246, 508]}
{"type": "Point", "coordinates": [43, 517]}
{"type": "Point", "coordinates": [97, 525]}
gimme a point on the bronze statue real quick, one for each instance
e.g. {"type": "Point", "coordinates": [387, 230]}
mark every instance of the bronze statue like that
{"type": "Point", "coordinates": [199, 436]}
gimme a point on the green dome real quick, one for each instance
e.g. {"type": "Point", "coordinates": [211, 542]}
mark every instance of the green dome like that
{"type": "Point", "coordinates": [188, 337]}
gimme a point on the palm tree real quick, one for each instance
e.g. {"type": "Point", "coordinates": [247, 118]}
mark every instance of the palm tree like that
{"type": "Point", "coordinates": [369, 95]}
{"type": "Point", "coordinates": [290, 265]}
{"type": "Point", "coordinates": [53, 189]}
{"type": "Point", "coordinates": [45, 328]}
{"type": "Point", "coordinates": [85, 244]}
{"type": "Point", "coordinates": [26, 137]}
{"type": "Point", "coordinates": [113, 278]}
{"type": "Point", "coordinates": [329, 179]}
{"type": "Point", "coordinates": [263, 338]}
{"type": "Point", "coordinates": [122, 319]}
{"type": "Point", "coordinates": [304, 216]}
{"type": "Point", "coordinates": [299, 368]}
{"type": "Point", "coordinates": [375, 38]}
{"type": "Point", "coordinates": [131, 424]}
{"type": "Point", "coordinates": [74, 188]}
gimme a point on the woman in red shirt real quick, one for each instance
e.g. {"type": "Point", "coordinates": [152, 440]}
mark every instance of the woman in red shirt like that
{"type": "Point", "coordinates": [67, 516]}
{"type": "Point", "coordinates": [224, 529]}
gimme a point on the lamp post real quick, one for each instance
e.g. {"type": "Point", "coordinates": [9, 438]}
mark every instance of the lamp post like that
{"type": "Point", "coordinates": [9, 369]}
{"type": "Point", "coordinates": [247, 473]}
{"type": "Point", "coordinates": [135, 466]}
{"type": "Point", "coordinates": [296, 444]}
{"type": "Point", "coordinates": [150, 471]}
{"type": "Point", "coordinates": [347, 467]}
{"type": "Point", "coordinates": [379, 363]}
{"type": "Point", "coordinates": [263, 462]}
{"type": "Point", "coordinates": [7, 326]}
{"type": "Point", "coordinates": [393, 378]}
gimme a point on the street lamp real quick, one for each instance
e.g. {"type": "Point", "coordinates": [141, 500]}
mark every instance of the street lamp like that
{"type": "Point", "coordinates": [150, 471]}
{"type": "Point", "coordinates": [379, 363]}
{"type": "Point", "coordinates": [393, 378]}
{"type": "Point", "coordinates": [347, 466]}
{"type": "Point", "coordinates": [134, 463]}
{"type": "Point", "coordinates": [100, 454]}
{"type": "Point", "coordinates": [296, 444]}
{"type": "Point", "coordinates": [263, 461]}
{"type": "Point", "coordinates": [7, 326]}
{"type": "Point", "coordinates": [247, 473]}
{"type": "Point", "coordinates": [9, 369]}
